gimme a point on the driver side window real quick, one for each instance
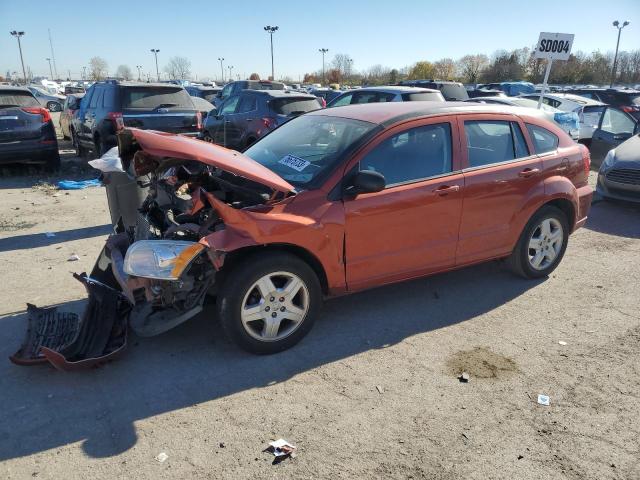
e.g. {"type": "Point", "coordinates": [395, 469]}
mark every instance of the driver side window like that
{"type": "Point", "coordinates": [412, 155]}
{"type": "Point", "coordinates": [229, 106]}
{"type": "Point", "coordinates": [343, 100]}
{"type": "Point", "coordinates": [616, 122]}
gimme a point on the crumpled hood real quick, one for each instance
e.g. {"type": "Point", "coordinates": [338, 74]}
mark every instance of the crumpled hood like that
{"type": "Point", "coordinates": [162, 144]}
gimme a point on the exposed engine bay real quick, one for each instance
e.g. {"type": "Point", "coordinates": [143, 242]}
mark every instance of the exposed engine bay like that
{"type": "Point", "coordinates": [152, 274]}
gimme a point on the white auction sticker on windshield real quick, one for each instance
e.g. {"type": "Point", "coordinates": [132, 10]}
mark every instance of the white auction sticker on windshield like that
{"type": "Point", "coordinates": [294, 162]}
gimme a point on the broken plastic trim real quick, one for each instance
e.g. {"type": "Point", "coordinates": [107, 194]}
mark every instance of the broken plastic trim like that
{"type": "Point", "coordinates": [69, 344]}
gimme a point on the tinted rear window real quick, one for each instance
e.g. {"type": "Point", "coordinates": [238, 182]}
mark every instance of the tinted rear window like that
{"type": "Point", "coordinates": [453, 91]}
{"type": "Point", "coordinates": [543, 140]}
{"type": "Point", "coordinates": [265, 86]}
{"type": "Point", "coordinates": [21, 99]}
{"type": "Point", "coordinates": [154, 97]}
{"type": "Point", "coordinates": [421, 97]}
{"type": "Point", "coordinates": [287, 106]}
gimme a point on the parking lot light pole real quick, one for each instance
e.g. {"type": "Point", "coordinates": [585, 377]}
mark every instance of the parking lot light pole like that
{"type": "Point", "coordinates": [230, 67]}
{"type": "Point", "coordinates": [17, 34]}
{"type": "Point", "coordinates": [50, 69]}
{"type": "Point", "coordinates": [323, 51]}
{"type": "Point", "coordinates": [615, 58]}
{"type": "Point", "coordinates": [271, 30]}
{"type": "Point", "coordinates": [221, 59]}
{"type": "Point", "coordinates": [139, 67]}
{"type": "Point", "coordinates": [84, 73]}
{"type": "Point", "coordinates": [155, 52]}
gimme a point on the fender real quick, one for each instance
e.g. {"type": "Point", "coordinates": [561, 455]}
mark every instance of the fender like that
{"type": "Point", "coordinates": [561, 187]}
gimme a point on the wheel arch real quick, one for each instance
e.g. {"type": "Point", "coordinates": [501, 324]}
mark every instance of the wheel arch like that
{"type": "Point", "coordinates": [234, 257]}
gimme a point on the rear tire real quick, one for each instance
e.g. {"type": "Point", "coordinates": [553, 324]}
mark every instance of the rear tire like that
{"type": "Point", "coordinates": [286, 303]}
{"type": "Point", "coordinates": [539, 251]}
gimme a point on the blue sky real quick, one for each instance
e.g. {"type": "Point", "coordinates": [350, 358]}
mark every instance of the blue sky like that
{"type": "Point", "coordinates": [393, 34]}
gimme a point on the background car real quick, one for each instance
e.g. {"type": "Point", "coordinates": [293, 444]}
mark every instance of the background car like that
{"type": "Point", "coordinates": [386, 94]}
{"type": "Point", "coordinates": [568, 121]}
{"type": "Point", "coordinates": [326, 94]}
{"type": "Point", "coordinates": [244, 118]}
{"type": "Point", "coordinates": [112, 105]}
{"type": "Point", "coordinates": [27, 134]}
{"type": "Point", "coordinates": [619, 174]}
{"type": "Point", "coordinates": [200, 91]}
{"type": "Point", "coordinates": [451, 91]}
{"type": "Point", "coordinates": [611, 126]}
{"type": "Point", "coordinates": [234, 88]}
{"type": "Point", "coordinates": [627, 100]}
{"type": "Point", "coordinates": [69, 109]}
{"type": "Point", "coordinates": [51, 101]}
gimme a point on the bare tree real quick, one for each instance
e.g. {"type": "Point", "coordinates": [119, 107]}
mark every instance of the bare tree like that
{"type": "Point", "coordinates": [124, 72]}
{"type": "Point", "coordinates": [254, 76]}
{"type": "Point", "coordinates": [178, 68]}
{"type": "Point", "coordinates": [342, 62]}
{"type": "Point", "coordinates": [445, 69]}
{"type": "Point", "coordinates": [98, 68]}
{"type": "Point", "coordinates": [470, 66]}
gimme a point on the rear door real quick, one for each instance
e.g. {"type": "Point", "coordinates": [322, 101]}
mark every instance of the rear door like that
{"type": "Point", "coordinates": [499, 173]}
{"type": "Point", "coordinates": [218, 124]}
{"type": "Point", "coordinates": [242, 121]}
{"type": "Point", "coordinates": [89, 121]}
{"type": "Point", "coordinates": [17, 124]}
{"type": "Point", "coordinates": [164, 108]}
{"type": "Point", "coordinates": [615, 127]}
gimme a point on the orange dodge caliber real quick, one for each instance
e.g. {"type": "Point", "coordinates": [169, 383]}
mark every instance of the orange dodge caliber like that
{"type": "Point", "coordinates": [333, 202]}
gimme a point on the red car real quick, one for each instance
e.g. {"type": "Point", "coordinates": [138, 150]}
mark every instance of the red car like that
{"type": "Point", "coordinates": [333, 202]}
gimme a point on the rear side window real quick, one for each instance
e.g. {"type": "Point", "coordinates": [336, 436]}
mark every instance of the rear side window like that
{"type": "Point", "coordinates": [17, 98]}
{"type": "Point", "coordinates": [343, 100]}
{"type": "Point", "coordinates": [489, 142]}
{"type": "Point", "coordinates": [108, 99]}
{"type": "Point", "coordinates": [247, 103]}
{"type": "Point", "coordinates": [412, 155]}
{"type": "Point", "coordinates": [372, 97]}
{"type": "Point", "coordinates": [293, 106]}
{"type": "Point", "coordinates": [543, 140]}
{"type": "Point", "coordinates": [150, 98]}
{"type": "Point", "coordinates": [422, 97]}
{"type": "Point", "coordinates": [520, 143]}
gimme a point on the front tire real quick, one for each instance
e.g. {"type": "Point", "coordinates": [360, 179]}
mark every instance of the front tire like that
{"type": "Point", "coordinates": [269, 302]}
{"type": "Point", "coordinates": [52, 163]}
{"type": "Point", "coordinates": [541, 245]}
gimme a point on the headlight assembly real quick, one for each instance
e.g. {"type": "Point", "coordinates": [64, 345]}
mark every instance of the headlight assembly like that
{"type": "Point", "coordinates": [160, 259]}
{"type": "Point", "coordinates": [610, 159]}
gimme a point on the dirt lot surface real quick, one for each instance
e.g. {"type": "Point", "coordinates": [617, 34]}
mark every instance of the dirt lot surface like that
{"type": "Point", "coordinates": [372, 392]}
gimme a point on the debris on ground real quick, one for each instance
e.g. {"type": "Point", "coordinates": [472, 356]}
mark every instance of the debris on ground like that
{"type": "Point", "coordinates": [50, 234]}
{"type": "Point", "coordinates": [73, 258]}
{"type": "Point", "coordinates": [45, 187]}
{"type": "Point", "coordinates": [222, 445]}
{"type": "Point", "coordinates": [79, 184]}
{"type": "Point", "coordinates": [380, 389]}
{"type": "Point", "coordinates": [162, 457]}
{"type": "Point", "coordinates": [543, 400]}
{"type": "Point", "coordinates": [464, 377]}
{"type": "Point", "coordinates": [562, 342]}
{"type": "Point", "coordinates": [281, 449]}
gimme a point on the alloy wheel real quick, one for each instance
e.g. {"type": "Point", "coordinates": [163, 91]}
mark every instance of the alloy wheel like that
{"type": "Point", "coordinates": [275, 306]}
{"type": "Point", "coordinates": [545, 243]}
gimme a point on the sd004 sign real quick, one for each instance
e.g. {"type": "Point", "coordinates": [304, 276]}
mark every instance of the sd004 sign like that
{"type": "Point", "coordinates": [554, 46]}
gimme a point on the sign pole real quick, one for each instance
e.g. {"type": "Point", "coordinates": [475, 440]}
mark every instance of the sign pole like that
{"type": "Point", "coordinates": [544, 83]}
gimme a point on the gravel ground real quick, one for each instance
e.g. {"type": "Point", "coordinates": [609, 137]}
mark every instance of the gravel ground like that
{"type": "Point", "coordinates": [372, 392]}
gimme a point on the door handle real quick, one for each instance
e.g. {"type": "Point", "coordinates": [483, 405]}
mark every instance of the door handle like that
{"type": "Point", "coordinates": [446, 189]}
{"type": "Point", "coordinates": [249, 119]}
{"type": "Point", "coordinates": [528, 172]}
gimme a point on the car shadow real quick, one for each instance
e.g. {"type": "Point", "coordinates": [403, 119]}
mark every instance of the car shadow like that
{"type": "Point", "coordinates": [615, 218]}
{"type": "Point", "coordinates": [35, 240]}
{"type": "Point", "coordinates": [44, 409]}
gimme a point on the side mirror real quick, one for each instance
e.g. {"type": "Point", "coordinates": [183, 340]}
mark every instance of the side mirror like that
{"type": "Point", "coordinates": [365, 181]}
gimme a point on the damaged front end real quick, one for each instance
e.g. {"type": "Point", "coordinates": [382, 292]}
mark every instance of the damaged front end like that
{"type": "Point", "coordinates": [154, 272]}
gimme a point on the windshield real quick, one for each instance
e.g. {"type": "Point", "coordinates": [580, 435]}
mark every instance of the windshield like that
{"type": "Point", "coordinates": [307, 146]}
{"type": "Point", "coordinates": [17, 98]}
{"type": "Point", "coordinates": [156, 97]}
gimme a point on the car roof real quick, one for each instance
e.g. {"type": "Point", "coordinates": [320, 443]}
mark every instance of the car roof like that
{"type": "Point", "coordinates": [572, 97]}
{"type": "Point", "coordinates": [397, 89]}
{"type": "Point", "coordinates": [129, 83]}
{"type": "Point", "coordinates": [388, 113]}
{"type": "Point", "coordinates": [16, 89]}
{"type": "Point", "coordinates": [279, 93]}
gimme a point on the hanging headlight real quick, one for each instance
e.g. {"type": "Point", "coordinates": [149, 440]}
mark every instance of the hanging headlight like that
{"type": "Point", "coordinates": [160, 259]}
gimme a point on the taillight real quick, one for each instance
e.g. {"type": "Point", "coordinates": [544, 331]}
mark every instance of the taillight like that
{"type": "Point", "coordinates": [46, 116]}
{"type": "Point", "coordinates": [117, 119]}
{"type": "Point", "coordinates": [323, 102]}
{"type": "Point", "coordinates": [629, 109]}
{"type": "Point", "coordinates": [586, 159]}
{"type": "Point", "coordinates": [199, 120]}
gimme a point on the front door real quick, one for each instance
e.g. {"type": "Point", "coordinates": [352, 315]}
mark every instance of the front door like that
{"type": "Point", "coordinates": [614, 128]}
{"type": "Point", "coordinates": [500, 172]}
{"type": "Point", "coordinates": [411, 227]}
{"type": "Point", "coordinates": [222, 122]}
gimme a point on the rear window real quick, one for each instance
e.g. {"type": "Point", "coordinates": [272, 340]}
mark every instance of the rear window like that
{"type": "Point", "coordinates": [452, 91]}
{"type": "Point", "coordinates": [422, 97]}
{"type": "Point", "coordinates": [632, 98]}
{"type": "Point", "coordinates": [543, 140]}
{"type": "Point", "coordinates": [17, 98]}
{"type": "Point", "coordinates": [265, 86]}
{"type": "Point", "coordinates": [155, 97]}
{"type": "Point", "coordinates": [288, 106]}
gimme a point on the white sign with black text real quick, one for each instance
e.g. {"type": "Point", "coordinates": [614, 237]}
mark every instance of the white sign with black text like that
{"type": "Point", "coordinates": [554, 46]}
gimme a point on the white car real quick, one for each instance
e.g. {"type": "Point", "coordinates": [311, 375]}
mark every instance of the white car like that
{"type": "Point", "coordinates": [568, 102]}
{"type": "Point", "coordinates": [568, 121]}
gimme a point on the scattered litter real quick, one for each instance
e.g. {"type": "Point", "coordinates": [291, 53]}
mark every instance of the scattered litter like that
{"type": "Point", "coordinates": [281, 449]}
{"type": "Point", "coordinates": [562, 342]}
{"type": "Point", "coordinates": [222, 445]}
{"type": "Point", "coordinates": [380, 389]}
{"type": "Point", "coordinates": [162, 457]}
{"type": "Point", "coordinates": [543, 400]}
{"type": "Point", "coordinates": [50, 234]}
{"type": "Point", "coordinates": [599, 286]}
{"type": "Point", "coordinates": [463, 377]}
{"type": "Point", "coordinates": [57, 194]}
{"type": "Point", "coordinates": [85, 197]}
{"type": "Point", "coordinates": [78, 185]}
{"type": "Point", "coordinates": [45, 187]}
{"type": "Point", "coordinates": [520, 457]}
{"type": "Point", "coordinates": [109, 162]}
{"type": "Point", "coordinates": [73, 258]}
{"type": "Point", "coordinates": [590, 331]}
